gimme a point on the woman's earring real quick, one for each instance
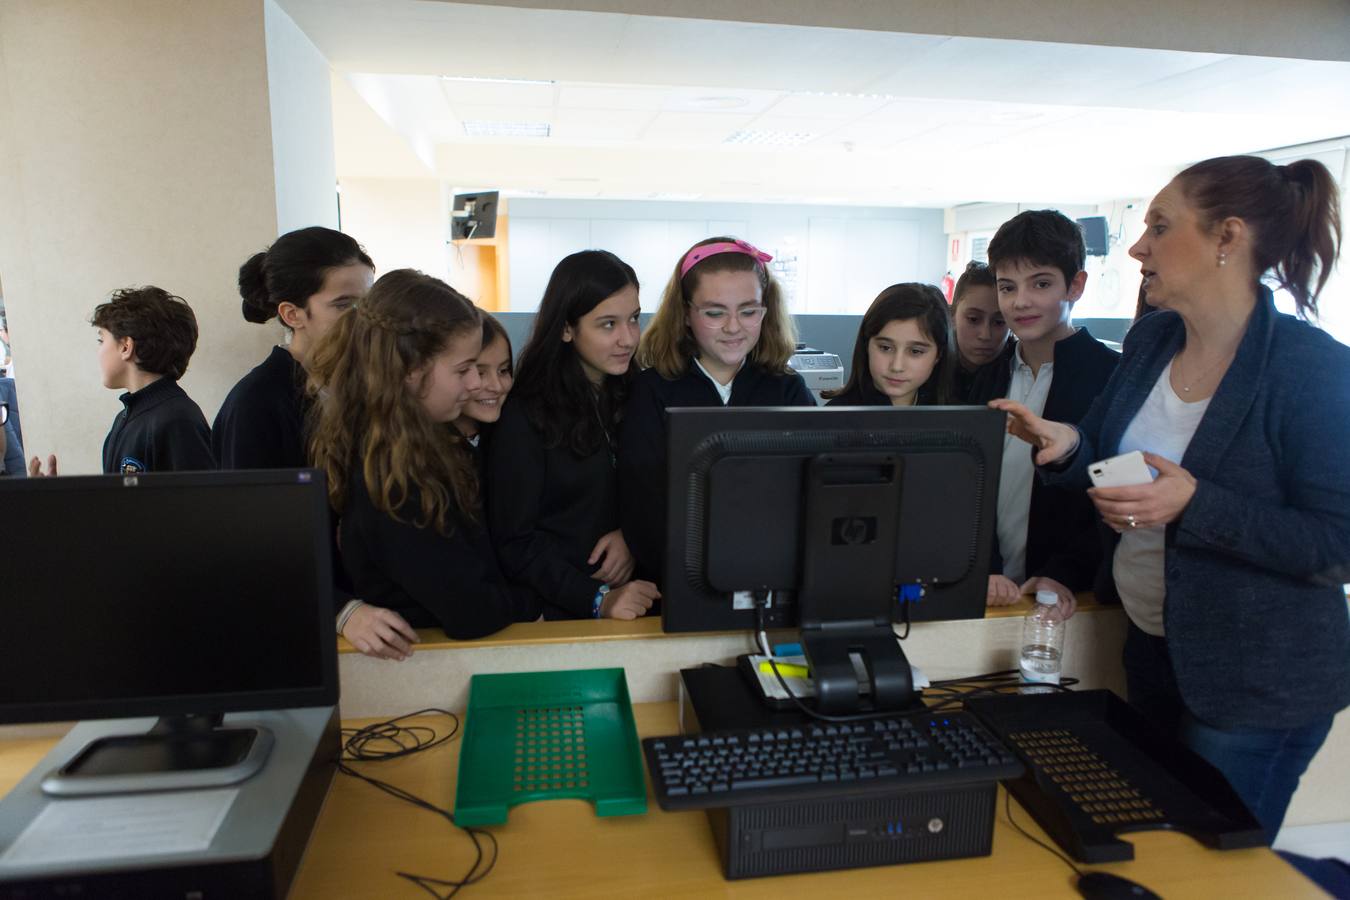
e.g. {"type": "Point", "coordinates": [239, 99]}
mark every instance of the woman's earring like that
{"type": "Point", "coordinates": [1223, 259]}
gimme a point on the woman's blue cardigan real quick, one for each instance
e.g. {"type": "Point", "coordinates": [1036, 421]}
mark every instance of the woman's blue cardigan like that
{"type": "Point", "coordinates": [1256, 619]}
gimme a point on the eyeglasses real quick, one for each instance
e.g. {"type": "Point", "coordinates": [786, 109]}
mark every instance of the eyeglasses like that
{"type": "Point", "coordinates": [717, 315]}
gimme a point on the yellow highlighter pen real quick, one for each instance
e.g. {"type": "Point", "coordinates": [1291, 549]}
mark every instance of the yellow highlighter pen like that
{"type": "Point", "coordinates": [787, 670]}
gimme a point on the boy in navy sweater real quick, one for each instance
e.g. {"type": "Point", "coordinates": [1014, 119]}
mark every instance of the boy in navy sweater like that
{"type": "Point", "coordinates": [146, 337]}
{"type": "Point", "coordinates": [1047, 536]}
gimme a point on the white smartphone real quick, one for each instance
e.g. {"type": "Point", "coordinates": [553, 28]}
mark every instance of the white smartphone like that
{"type": "Point", "coordinates": [1120, 471]}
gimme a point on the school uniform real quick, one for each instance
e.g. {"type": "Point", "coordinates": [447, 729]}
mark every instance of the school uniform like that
{"type": "Point", "coordinates": [160, 429]}
{"type": "Point", "coordinates": [642, 445]}
{"type": "Point", "coordinates": [864, 393]}
{"type": "Point", "coordinates": [966, 379]}
{"type": "Point", "coordinates": [429, 578]}
{"type": "Point", "coordinates": [546, 509]}
{"type": "Point", "coordinates": [1060, 539]}
{"type": "Point", "coordinates": [261, 424]}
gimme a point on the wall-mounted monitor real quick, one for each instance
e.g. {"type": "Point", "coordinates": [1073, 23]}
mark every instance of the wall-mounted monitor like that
{"type": "Point", "coordinates": [1095, 235]}
{"type": "Point", "coordinates": [474, 216]}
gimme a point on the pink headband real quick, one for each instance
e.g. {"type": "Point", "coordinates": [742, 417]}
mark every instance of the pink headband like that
{"type": "Point", "coordinates": [703, 251]}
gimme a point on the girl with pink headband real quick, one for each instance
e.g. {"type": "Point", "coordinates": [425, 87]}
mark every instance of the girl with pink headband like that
{"type": "Point", "coordinates": [721, 337]}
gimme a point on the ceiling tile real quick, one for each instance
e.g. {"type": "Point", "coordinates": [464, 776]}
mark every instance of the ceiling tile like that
{"type": "Point", "coordinates": [497, 93]}
{"type": "Point", "coordinates": [600, 124]}
{"type": "Point", "coordinates": [610, 96]}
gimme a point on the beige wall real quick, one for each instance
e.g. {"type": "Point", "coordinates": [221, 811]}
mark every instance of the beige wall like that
{"type": "Point", "coordinates": [1305, 29]}
{"type": "Point", "coordinates": [136, 147]}
{"type": "Point", "coordinates": [403, 223]}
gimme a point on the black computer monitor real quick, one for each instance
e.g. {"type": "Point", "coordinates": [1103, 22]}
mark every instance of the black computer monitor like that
{"type": "Point", "coordinates": [829, 516]}
{"type": "Point", "coordinates": [1096, 235]}
{"type": "Point", "coordinates": [183, 596]}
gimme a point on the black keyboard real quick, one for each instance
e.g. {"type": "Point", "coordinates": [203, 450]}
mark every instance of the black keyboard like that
{"type": "Point", "coordinates": [1096, 768]}
{"type": "Point", "coordinates": [765, 765]}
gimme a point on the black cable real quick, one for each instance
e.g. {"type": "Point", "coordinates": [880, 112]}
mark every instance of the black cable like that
{"type": "Point", "coordinates": [383, 741]}
{"type": "Point", "coordinates": [1007, 810]}
{"type": "Point", "coordinates": [904, 609]}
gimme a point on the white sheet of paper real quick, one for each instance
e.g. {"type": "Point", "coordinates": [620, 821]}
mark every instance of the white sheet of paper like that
{"type": "Point", "coordinates": [99, 828]}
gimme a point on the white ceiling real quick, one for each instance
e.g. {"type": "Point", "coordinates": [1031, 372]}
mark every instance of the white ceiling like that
{"type": "Point", "coordinates": [645, 106]}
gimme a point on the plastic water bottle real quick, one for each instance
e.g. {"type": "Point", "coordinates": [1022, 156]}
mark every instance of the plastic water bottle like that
{"type": "Point", "coordinates": [1043, 641]}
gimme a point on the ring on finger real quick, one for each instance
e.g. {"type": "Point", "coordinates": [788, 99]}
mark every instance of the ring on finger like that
{"type": "Point", "coordinates": [1132, 521]}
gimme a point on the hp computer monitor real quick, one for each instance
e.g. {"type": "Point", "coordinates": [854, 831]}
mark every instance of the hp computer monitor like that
{"type": "Point", "coordinates": [829, 515]}
{"type": "Point", "coordinates": [183, 596]}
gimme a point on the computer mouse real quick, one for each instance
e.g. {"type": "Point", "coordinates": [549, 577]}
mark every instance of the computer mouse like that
{"type": "Point", "coordinates": [1105, 886]}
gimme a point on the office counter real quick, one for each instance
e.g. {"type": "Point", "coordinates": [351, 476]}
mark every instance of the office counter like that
{"type": "Point", "coordinates": [364, 831]}
{"type": "Point", "coordinates": [438, 672]}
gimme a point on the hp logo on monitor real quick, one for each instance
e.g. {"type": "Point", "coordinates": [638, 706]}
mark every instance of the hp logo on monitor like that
{"type": "Point", "coordinates": [853, 530]}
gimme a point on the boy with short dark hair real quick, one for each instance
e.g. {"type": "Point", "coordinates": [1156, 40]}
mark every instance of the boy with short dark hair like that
{"type": "Point", "coordinates": [1047, 537]}
{"type": "Point", "coordinates": [146, 337]}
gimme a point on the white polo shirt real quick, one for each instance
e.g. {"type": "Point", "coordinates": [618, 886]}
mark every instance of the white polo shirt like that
{"type": "Point", "coordinates": [723, 390]}
{"type": "Point", "coordinates": [1014, 486]}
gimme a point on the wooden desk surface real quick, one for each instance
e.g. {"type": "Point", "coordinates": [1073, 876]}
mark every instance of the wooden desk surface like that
{"type": "Point", "coordinates": [561, 849]}
{"type": "Point", "coordinates": [574, 630]}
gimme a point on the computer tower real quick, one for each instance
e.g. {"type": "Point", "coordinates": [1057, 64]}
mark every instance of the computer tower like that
{"type": "Point", "coordinates": [257, 847]}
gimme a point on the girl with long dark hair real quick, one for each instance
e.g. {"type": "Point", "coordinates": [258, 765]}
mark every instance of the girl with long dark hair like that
{"type": "Point", "coordinates": [904, 354]}
{"type": "Point", "coordinates": [552, 489]}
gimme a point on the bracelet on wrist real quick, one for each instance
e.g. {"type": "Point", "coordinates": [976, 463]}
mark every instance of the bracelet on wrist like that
{"type": "Point", "coordinates": [599, 600]}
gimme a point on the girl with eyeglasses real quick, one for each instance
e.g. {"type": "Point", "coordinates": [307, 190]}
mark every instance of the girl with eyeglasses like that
{"type": "Point", "coordinates": [551, 485]}
{"type": "Point", "coordinates": [721, 337]}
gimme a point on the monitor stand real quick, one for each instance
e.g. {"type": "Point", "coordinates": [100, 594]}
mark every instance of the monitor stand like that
{"type": "Point", "coordinates": [831, 650]}
{"type": "Point", "coordinates": [178, 753]}
{"type": "Point", "coordinates": [847, 590]}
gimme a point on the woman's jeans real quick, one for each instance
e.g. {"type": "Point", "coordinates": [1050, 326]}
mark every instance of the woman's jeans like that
{"type": "Point", "coordinates": [1262, 764]}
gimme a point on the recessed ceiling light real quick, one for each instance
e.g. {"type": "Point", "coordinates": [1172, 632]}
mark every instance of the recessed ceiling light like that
{"type": "Point", "coordinates": [484, 128]}
{"type": "Point", "coordinates": [754, 137]}
{"type": "Point", "coordinates": [480, 80]}
{"type": "Point", "coordinates": [719, 102]}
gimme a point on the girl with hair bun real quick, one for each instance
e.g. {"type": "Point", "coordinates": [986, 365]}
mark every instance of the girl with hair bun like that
{"type": "Point", "coordinates": [391, 378]}
{"type": "Point", "coordinates": [1230, 562]}
{"type": "Point", "coordinates": [307, 279]}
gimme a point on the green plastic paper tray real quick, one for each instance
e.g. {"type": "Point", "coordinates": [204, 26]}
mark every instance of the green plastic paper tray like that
{"type": "Point", "coordinates": [546, 736]}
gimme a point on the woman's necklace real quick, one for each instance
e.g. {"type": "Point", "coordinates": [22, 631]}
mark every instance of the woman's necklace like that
{"type": "Point", "coordinates": [1186, 387]}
